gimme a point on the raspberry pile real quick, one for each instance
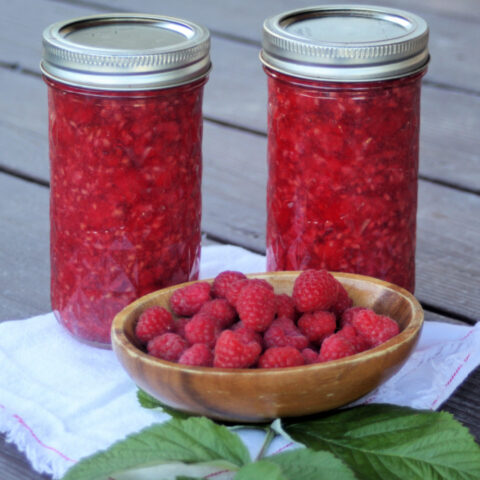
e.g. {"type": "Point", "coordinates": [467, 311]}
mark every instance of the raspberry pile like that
{"type": "Point", "coordinates": [238, 322]}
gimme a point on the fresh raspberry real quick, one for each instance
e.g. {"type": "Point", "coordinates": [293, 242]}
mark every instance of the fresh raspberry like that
{"type": "Point", "coordinates": [347, 315]}
{"type": "Point", "coordinates": [246, 333]}
{"type": "Point", "coordinates": [179, 327]}
{"type": "Point", "coordinates": [202, 328]}
{"type": "Point", "coordinates": [153, 322]}
{"type": "Point", "coordinates": [284, 333]}
{"type": "Point", "coordinates": [223, 280]}
{"type": "Point", "coordinates": [335, 346]}
{"type": "Point", "coordinates": [188, 300]}
{"type": "Point", "coordinates": [280, 357]}
{"type": "Point", "coordinates": [256, 306]}
{"type": "Point", "coordinates": [233, 290]}
{"type": "Point", "coordinates": [168, 346]}
{"type": "Point", "coordinates": [314, 290]}
{"type": "Point", "coordinates": [220, 310]}
{"type": "Point", "coordinates": [236, 287]}
{"type": "Point", "coordinates": [376, 329]}
{"type": "Point", "coordinates": [232, 351]}
{"type": "Point", "coordinates": [358, 341]}
{"type": "Point", "coordinates": [309, 356]}
{"type": "Point", "coordinates": [262, 282]}
{"type": "Point", "coordinates": [198, 355]}
{"type": "Point", "coordinates": [317, 325]}
{"type": "Point", "coordinates": [343, 301]}
{"type": "Point", "coordinates": [284, 306]}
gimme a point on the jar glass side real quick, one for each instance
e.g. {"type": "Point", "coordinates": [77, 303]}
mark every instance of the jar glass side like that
{"type": "Point", "coordinates": [125, 204]}
{"type": "Point", "coordinates": [343, 171]}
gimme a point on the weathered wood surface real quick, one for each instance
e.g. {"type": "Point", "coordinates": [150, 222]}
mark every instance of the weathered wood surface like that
{"type": "Point", "coordinates": [234, 198]}
{"type": "Point", "coordinates": [236, 92]}
{"type": "Point", "coordinates": [24, 256]}
{"type": "Point", "coordinates": [454, 30]}
{"type": "Point", "coordinates": [448, 251]}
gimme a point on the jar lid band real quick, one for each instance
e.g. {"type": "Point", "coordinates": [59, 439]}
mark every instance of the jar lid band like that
{"type": "Point", "coordinates": [345, 43]}
{"type": "Point", "coordinates": [126, 52]}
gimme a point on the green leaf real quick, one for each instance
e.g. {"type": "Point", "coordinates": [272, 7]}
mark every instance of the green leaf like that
{"type": "Point", "coordinates": [147, 401]}
{"type": "Point", "coordinates": [190, 441]}
{"type": "Point", "coordinates": [174, 471]}
{"type": "Point", "coordinates": [387, 441]}
{"type": "Point", "coordinates": [262, 469]}
{"type": "Point", "coordinates": [306, 464]}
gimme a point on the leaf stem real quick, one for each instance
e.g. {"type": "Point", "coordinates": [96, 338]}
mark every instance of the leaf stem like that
{"type": "Point", "coordinates": [266, 443]}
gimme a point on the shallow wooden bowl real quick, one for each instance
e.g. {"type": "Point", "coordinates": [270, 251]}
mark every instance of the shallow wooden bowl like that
{"type": "Point", "coordinates": [256, 395]}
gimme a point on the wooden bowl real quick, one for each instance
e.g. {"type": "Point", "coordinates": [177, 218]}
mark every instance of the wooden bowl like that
{"type": "Point", "coordinates": [257, 395]}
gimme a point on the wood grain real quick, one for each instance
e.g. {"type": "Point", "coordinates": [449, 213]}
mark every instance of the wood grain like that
{"type": "Point", "coordinates": [448, 250]}
{"type": "Point", "coordinates": [234, 184]}
{"type": "Point", "coordinates": [451, 40]}
{"type": "Point", "coordinates": [235, 171]}
{"type": "Point", "coordinates": [236, 95]}
{"type": "Point", "coordinates": [464, 404]}
{"type": "Point", "coordinates": [24, 254]}
{"type": "Point", "coordinates": [14, 466]}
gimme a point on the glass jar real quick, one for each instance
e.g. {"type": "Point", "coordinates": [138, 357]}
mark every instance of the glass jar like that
{"type": "Point", "coordinates": [125, 132]}
{"type": "Point", "coordinates": [343, 132]}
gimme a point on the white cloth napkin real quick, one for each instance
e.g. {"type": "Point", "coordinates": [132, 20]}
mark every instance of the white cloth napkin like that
{"type": "Point", "coordinates": [61, 400]}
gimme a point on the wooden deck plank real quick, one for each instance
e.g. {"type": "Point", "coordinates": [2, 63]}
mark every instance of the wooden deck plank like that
{"type": "Point", "coordinates": [236, 94]}
{"type": "Point", "coordinates": [235, 168]}
{"type": "Point", "coordinates": [464, 404]}
{"type": "Point", "coordinates": [448, 249]}
{"type": "Point", "coordinates": [234, 208]}
{"type": "Point", "coordinates": [452, 38]}
{"type": "Point", "coordinates": [14, 465]}
{"type": "Point", "coordinates": [24, 254]}
{"type": "Point", "coordinates": [25, 216]}
{"type": "Point", "coordinates": [234, 182]}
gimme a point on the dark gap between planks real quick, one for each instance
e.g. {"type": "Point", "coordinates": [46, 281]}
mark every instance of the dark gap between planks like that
{"type": "Point", "coordinates": [24, 176]}
{"type": "Point", "coordinates": [44, 183]}
{"type": "Point", "coordinates": [248, 41]}
{"type": "Point", "coordinates": [260, 133]}
{"type": "Point", "coordinates": [222, 240]}
{"type": "Point", "coordinates": [428, 307]}
{"type": "Point", "coordinates": [106, 8]}
{"type": "Point", "coordinates": [447, 313]}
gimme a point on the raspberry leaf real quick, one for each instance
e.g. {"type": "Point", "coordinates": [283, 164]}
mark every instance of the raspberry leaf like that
{"type": "Point", "coordinates": [147, 401]}
{"type": "Point", "coordinates": [387, 441]}
{"type": "Point", "coordinates": [262, 469]}
{"type": "Point", "coordinates": [307, 464]}
{"type": "Point", "coordinates": [196, 441]}
{"type": "Point", "coordinates": [300, 464]}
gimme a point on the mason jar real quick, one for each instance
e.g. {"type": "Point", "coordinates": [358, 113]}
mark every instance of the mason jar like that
{"type": "Point", "coordinates": [125, 134]}
{"type": "Point", "coordinates": [343, 133]}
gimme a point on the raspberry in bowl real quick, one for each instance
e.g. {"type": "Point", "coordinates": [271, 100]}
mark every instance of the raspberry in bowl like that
{"type": "Point", "coordinates": [276, 353]}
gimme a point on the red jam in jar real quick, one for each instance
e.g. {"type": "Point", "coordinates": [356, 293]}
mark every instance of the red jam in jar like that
{"type": "Point", "coordinates": [126, 165]}
{"type": "Point", "coordinates": [343, 134]}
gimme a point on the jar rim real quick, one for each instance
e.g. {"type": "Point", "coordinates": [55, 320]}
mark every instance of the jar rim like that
{"type": "Point", "coordinates": [345, 43]}
{"type": "Point", "coordinates": [125, 51]}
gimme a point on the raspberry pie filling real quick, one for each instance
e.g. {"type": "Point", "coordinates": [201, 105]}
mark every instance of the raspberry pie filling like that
{"type": "Point", "coordinates": [125, 199]}
{"type": "Point", "coordinates": [343, 167]}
